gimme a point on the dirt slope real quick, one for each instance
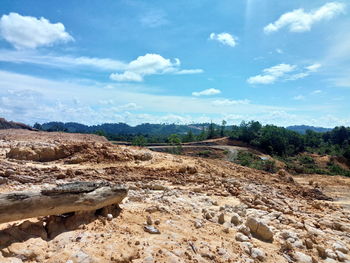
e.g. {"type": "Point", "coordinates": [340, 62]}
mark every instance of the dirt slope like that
{"type": "Point", "coordinates": [205, 210]}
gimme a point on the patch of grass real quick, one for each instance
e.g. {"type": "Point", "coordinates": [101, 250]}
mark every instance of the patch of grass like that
{"type": "Point", "coordinates": [253, 161]}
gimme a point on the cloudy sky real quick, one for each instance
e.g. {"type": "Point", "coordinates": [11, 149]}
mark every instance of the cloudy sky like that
{"type": "Point", "coordinates": [280, 62]}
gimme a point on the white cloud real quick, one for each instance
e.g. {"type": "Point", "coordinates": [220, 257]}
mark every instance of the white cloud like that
{"type": "Point", "coordinates": [279, 51]}
{"type": "Point", "coordinates": [126, 76]}
{"type": "Point", "coordinates": [189, 71]}
{"type": "Point", "coordinates": [298, 76]}
{"type": "Point", "coordinates": [30, 32]}
{"type": "Point", "coordinates": [300, 21]}
{"type": "Point", "coordinates": [129, 106]}
{"type": "Point", "coordinates": [279, 70]}
{"type": "Point", "coordinates": [272, 74]}
{"type": "Point", "coordinates": [227, 102]}
{"type": "Point", "coordinates": [313, 67]}
{"type": "Point", "coordinates": [262, 79]}
{"type": "Point", "coordinates": [299, 97]}
{"type": "Point", "coordinates": [150, 64]}
{"type": "Point", "coordinates": [206, 92]}
{"type": "Point", "coordinates": [224, 38]}
{"type": "Point", "coordinates": [33, 57]}
{"type": "Point", "coordinates": [283, 72]}
{"type": "Point", "coordinates": [318, 91]}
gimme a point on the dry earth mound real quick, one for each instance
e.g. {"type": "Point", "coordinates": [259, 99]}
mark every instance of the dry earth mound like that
{"type": "Point", "coordinates": [4, 124]}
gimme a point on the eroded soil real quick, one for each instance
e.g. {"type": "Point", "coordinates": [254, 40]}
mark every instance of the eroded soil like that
{"type": "Point", "coordinates": [205, 210]}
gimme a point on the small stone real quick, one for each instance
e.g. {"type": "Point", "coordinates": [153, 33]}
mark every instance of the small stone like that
{"type": "Point", "coordinates": [208, 216]}
{"type": "Point", "coordinates": [221, 219]}
{"type": "Point", "coordinates": [258, 254]}
{"type": "Point", "coordinates": [149, 220]}
{"type": "Point", "coordinates": [246, 246]}
{"type": "Point", "coordinates": [236, 219]}
{"type": "Point", "coordinates": [339, 246]}
{"type": "Point", "coordinates": [321, 252]}
{"type": "Point", "coordinates": [241, 238]}
{"type": "Point", "coordinates": [302, 258]}
{"type": "Point", "coordinates": [330, 253]}
{"type": "Point", "coordinates": [137, 243]}
{"type": "Point", "coordinates": [341, 256]}
{"type": "Point", "coordinates": [109, 217]}
{"type": "Point", "coordinates": [244, 229]}
{"type": "Point", "coordinates": [151, 229]}
{"type": "Point", "coordinates": [226, 230]}
{"type": "Point", "coordinates": [198, 224]}
{"type": "Point", "coordinates": [309, 244]}
{"type": "Point", "coordinates": [157, 222]}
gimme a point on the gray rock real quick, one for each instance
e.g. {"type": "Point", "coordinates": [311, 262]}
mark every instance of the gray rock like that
{"type": "Point", "coordinates": [241, 238]}
{"type": "Point", "coordinates": [330, 254]}
{"type": "Point", "coordinates": [341, 256]}
{"type": "Point", "coordinates": [259, 229]}
{"type": "Point", "coordinates": [340, 246]}
{"type": "Point", "coordinates": [258, 254]}
{"type": "Point", "coordinates": [302, 258]}
{"type": "Point", "coordinates": [151, 229]}
{"type": "Point", "coordinates": [244, 229]}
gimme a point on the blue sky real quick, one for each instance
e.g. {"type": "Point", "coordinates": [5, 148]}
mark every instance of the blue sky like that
{"type": "Point", "coordinates": [279, 62]}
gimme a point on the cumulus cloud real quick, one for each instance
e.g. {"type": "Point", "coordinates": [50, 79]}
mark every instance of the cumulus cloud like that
{"type": "Point", "coordinates": [150, 64]}
{"type": "Point", "coordinates": [224, 38]}
{"type": "Point", "coordinates": [283, 72]}
{"type": "Point", "coordinates": [30, 32]}
{"type": "Point", "coordinates": [228, 102]}
{"type": "Point", "coordinates": [206, 92]}
{"type": "Point", "coordinates": [300, 21]}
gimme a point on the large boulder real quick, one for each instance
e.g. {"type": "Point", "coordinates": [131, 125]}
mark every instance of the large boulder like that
{"type": "Point", "coordinates": [259, 229]}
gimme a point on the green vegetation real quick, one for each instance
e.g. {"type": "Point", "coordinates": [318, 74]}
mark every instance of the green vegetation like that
{"type": "Point", "coordinates": [175, 141]}
{"type": "Point", "coordinates": [284, 144]}
{"type": "Point", "coordinates": [253, 161]}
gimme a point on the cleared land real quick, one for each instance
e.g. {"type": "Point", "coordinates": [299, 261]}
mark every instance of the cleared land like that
{"type": "Point", "coordinates": [178, 209]}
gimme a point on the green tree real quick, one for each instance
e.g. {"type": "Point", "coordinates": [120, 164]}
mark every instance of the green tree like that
{"type": "Point", "coordinates": [139, 140]}
{"type": "Point", "coordinates": [222, 130]}
{"type": "Point", "coordinates": [175, 141]}
{"type": "Point", "coordinates": [100, 133]}
{"type": "Point", "coordinates": [211, 131]}
{"type": "Point", "coordinates": [189, 136]}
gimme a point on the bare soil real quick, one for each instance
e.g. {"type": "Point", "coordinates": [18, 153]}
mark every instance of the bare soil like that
{"type": "Point", "coordinates": [192, 201]}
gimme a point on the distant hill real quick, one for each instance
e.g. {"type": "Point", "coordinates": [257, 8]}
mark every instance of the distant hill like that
{"type": "Point", "coordinates": [4, 124]}
{"type": "Point", "coordinates": [122, 128]}
{"type": "Point", "coordinates": [303, 128]}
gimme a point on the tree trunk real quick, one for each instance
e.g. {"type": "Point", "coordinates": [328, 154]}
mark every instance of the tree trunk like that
{"type": "Point", "coordinates": [66, 198]}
